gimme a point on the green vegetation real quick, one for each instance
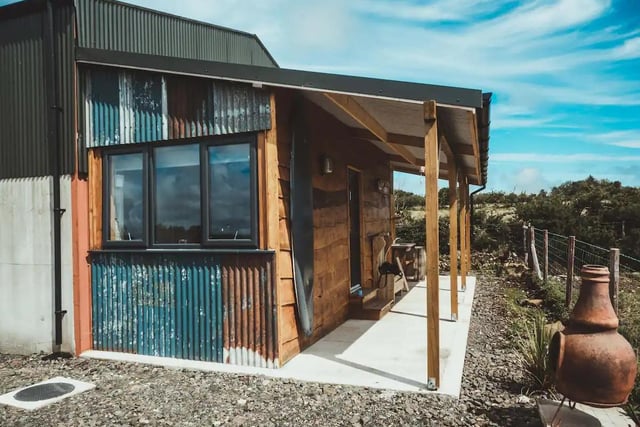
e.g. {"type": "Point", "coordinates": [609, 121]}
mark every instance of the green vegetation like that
{"type": "Point", "coordinates": [532, 347]}
{"type": "Point", "coordinates": [600, 212]}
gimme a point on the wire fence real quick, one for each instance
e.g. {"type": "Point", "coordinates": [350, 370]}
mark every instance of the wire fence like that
{"type": "Point", "coordinates": [562, 257]}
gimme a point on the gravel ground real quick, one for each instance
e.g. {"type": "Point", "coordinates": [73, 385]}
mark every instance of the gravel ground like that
{"type": "Point", "coordinates": [134, 394]}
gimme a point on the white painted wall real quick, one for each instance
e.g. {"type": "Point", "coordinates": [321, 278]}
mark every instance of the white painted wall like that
{"type": "Point", "coordinates": [26, 265]}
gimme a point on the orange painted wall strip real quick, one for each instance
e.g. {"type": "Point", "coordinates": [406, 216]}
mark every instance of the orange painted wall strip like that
{"type": "Point", "coordinates": [81, 270]}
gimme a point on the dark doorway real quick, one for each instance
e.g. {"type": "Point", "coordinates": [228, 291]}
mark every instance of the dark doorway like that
{"type": "Point", "coordinates": [354, 226]}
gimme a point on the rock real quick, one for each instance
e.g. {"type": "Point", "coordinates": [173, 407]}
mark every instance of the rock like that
{"type": "Point", "coordinates": [552, 328]}
{"type": "Point", "coordinates": [523, 400]}
{"type": "Point", "coordinates": [531, 302]}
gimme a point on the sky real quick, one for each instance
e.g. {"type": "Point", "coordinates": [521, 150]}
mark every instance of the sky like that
{"type": "Point", "coordinates": [565, 74]}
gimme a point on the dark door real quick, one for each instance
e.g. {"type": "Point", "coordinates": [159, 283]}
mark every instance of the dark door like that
{"type": "Point", "coordinates": [354, 226]}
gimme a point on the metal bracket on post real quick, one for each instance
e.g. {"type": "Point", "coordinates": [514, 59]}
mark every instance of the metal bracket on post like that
{"type": "Point", "coordinates": [431, 384]}
{"type": "Point", "coordinates": [454, 317]}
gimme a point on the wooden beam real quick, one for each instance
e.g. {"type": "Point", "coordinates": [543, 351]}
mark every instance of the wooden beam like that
{"type": "Point", "coordinates": [451, 157]}
{"type": "Point", "coordinates": [453, 240]}
{"type": "Point", "coordinates": [431, 151]}
{"type": "Point", "coordinates": [462, 180]}
{"type": "Point", "coordinates": [349, 105]}
{"type": "Point", "coordinates": [474, 140]}
{"type": "Point", "coordinates": [271, 201]}
{"type": "Point", "coordinates": [409, 140]}
{"type": "Point", "coordinates": [468, 226]}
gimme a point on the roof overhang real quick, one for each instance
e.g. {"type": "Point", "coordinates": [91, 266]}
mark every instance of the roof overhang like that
{"type": "Point", "coordinates": [390, 114]}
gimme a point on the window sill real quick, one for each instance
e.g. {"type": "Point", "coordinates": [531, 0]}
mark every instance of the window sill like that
{"type": "Point", "coordinates": [182, 251]}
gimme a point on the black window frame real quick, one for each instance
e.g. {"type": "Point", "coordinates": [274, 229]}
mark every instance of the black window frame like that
{"type": "Point", "coordinates": [106, 193]}
{"type": "Point", "coordinates": [149, 196]}
{"type": "Point", "coordinates": [253, 240]}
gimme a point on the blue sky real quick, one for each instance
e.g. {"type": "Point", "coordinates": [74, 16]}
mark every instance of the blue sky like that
{"type": "Point", "coordinates": [565, 74]}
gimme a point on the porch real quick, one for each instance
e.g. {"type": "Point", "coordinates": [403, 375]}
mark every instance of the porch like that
{"type": "Point", "coordinates": [389, 353]}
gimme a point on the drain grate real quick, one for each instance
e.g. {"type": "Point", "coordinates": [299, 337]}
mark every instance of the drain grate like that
{"type": "Point", "coordinates": [43, 392]}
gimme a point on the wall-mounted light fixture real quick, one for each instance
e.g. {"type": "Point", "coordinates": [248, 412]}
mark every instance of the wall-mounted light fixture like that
{"type": "Point", "coordinates": [383, 186]}
{"type": "Point", "coordinates": [327, 165]}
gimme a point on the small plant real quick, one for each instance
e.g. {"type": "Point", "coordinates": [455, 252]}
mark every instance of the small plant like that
{"type": "Point", "coordinates": [533, 346]}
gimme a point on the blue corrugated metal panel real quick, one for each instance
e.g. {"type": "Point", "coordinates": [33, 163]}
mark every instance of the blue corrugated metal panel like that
{"type": "Point", "coordinates": [124, 107]}
{"type": "Point", "coordinates": [190, 306]}
{"type": "Point", "coordinates": [160, 305]}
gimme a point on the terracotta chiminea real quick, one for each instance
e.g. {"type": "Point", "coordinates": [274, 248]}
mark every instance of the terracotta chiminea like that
{"type": "Point", "coordinates": [593, 363]}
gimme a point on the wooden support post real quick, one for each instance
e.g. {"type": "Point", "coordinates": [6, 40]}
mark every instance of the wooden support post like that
{"type": "Point", "coordinates": [534, 256]}
{"type": "Point", "coordinates": [463, 232]}
{"type": "Point", "coordinates": [614, 276]}
{"type": "Point", "coordinates": [453, 237]}
{"type": "Point", "coordinates": [467, 223]}
{"type": "Point", "coordinates": [545, 272]}
{"type": "Point", "coordinates": [571, 250]}
{"type": "Point", "coordinates": [431, 152]}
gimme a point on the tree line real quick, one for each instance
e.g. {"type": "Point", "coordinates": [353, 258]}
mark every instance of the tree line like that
{"type": "Point", "coordinates": [601, 212]}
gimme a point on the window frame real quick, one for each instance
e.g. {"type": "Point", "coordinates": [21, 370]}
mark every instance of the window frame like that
{"type": "Point", "coordinates": [149, 194]}
{"type": "Point", "coordinates": [152, 201]}
{"type": "Point", "coordinates": [106, 194]}
{"type": "Point", "coordinates": [253, 240]}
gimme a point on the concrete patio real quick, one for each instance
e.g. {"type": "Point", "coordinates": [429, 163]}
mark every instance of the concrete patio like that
{"type": "Point", "coordinates": [391, 353]}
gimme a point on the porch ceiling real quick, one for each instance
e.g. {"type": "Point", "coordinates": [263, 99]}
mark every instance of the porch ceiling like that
{"type": "Point", "coordinates": [403, 121]}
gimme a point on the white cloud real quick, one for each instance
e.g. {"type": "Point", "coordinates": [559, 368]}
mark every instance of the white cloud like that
{"type": "Point", "coordinates": [529, 180]}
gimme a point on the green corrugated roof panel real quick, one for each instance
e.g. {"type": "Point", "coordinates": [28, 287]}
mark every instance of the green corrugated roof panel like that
{"type": "Point", "coordinates": [118, 26]}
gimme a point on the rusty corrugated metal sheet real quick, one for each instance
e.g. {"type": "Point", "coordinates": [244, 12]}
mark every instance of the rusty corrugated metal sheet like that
{"type": "Point", "coordinates": [125, 107]}
{"type": "Point", "coordinates": [23, 105]}
{"type": "Point", "coordinates": [117, 26]}
{"type": "Point", "coordinates": [250, 317]}
{"type": "Point", "coordinates": [191, 306]}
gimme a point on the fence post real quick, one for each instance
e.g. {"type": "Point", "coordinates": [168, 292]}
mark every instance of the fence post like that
{"type": "Point", "coordinates": [525, 246]}
{"type": "Point", "coordinates": [534, 257]}
{"type": "Point", "coordinates": [545, 273]}
{"type": "Point", "coordinates": [571, 249]}
{"type": "Point", "coordinates": [614, 276]}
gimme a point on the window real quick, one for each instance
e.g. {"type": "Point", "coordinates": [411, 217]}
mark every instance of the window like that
{"type": "Point", "coordinates": [199, 195]}
{"type": "Point", "coordinates": [125, 204]}
{"type": "Point", "coordinates": [177, 194]}
{"type": "Point", "coordinates": [230, 201]}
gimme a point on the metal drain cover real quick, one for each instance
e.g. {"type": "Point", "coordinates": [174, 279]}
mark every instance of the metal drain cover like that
{"type": "Point", "coordinates": [43, 392]}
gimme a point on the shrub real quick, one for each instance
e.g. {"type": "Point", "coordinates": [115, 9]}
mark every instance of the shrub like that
{"type": "Point", "coordinates": [533, 346]}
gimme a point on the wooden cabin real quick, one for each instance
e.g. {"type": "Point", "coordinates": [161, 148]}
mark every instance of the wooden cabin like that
{"type": "Point", "coordinates": [222, 210]}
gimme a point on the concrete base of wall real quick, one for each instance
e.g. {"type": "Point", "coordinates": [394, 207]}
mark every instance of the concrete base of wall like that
{"type": "Point", "coordinates": [26, 266]}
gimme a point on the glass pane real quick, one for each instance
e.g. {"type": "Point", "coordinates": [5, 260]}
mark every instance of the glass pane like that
{"type": "Point", "coordinates": [230, 192]}
{"type": "Point", "coordinates": [126, 213]}
{"type": "Point", "coordinates": [177, 194]}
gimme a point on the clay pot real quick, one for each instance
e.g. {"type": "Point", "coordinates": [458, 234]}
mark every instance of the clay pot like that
{"type": "Point", "coordinates": [592, 362]}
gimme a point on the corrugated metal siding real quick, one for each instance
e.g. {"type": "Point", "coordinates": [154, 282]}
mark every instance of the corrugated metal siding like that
{"type": "Point", "coordinates": [249, 299]}
{"type": "Point", "coordinates": [23, 105]}
{"type": "Point", "coordinates": [121, 27]}
{"type": "Point", "coordinates": [195, 306]}
{"type": "Point", "coordinates": [125, 107]}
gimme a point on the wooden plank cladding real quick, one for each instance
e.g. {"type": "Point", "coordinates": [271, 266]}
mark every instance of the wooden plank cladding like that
{"type": "Point", "coordinates": [328, 137]}
{"type": "Point", "coordinates": [195, 306]}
